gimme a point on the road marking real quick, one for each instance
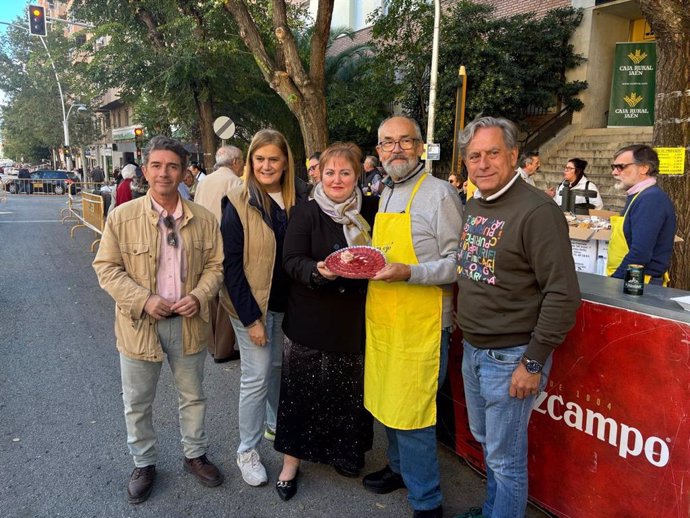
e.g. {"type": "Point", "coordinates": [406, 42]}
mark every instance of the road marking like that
{"type": "Point", "coordinates": [35, 221]}
{"type": "Point", "coordinates": [6, 212]}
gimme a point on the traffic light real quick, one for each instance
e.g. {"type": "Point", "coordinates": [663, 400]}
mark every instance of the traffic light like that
{"type": "Point", "coordinates": [138, 134]}
{"type": "Point", "coordinates": [37, 20]}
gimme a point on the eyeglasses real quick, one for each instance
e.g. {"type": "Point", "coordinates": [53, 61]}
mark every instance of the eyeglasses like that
{"type": "Point", "coordinates": [404, 143]}
{"type": "Point", "coordinates": [313, 168]}
{"type": "Point", "coordinates": [171, 238]}
{"type": "Point", "coordinates": [621, 167]}
{"type": "Point", "coordinates": [568, 168]}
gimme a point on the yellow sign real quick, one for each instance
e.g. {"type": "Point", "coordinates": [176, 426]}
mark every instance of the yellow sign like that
{"type": "Point", "coordinates": [671, 160]}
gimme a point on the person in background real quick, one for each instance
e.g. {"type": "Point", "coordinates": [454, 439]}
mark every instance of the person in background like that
{"type": "Point", "coordinates": [228, 168]}
{"type": "Point", "coordinates": [186, 185]}
{"type": "Point", "coordinates": [123, 193]}
{"type": "Point", "coordinates": [97, 177]}
{"type": "Point", "coordinates": [150, 262]}
{"type": "Point", "coordinates": [371, 176]}
{"type": "Point", "coordinates": [574, 177]}
{"type": "Point", "coordinates": [528, 166]}
{"type": "Point", "coordinates": [409, 314]}
{"type": "Point", "coordinates": [645, 231]}
{"type": "Point", "coordinates": [313, 170]}
{"type": "Point", "coordinates": [322, 418]}
{"type": "Point", "coordinates": [199, 174]}
{"type": "Point", "coordinates": [456, 181]}
{"type": "Point", "coordinates": [518, 294]}
{"type": "Point", "coordinates": [253, 226]}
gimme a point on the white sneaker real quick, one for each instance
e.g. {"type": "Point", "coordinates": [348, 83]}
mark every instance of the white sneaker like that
{"type": "Point", "coordinates": [253, 472]}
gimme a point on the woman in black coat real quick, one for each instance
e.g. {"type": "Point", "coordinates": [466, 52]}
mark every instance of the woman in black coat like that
{"type": "Point", "coordinates": [321, 415]}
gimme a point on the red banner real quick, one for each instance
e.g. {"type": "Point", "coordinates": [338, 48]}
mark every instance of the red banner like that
{"type": "Point", "coordinates": [610, 436]}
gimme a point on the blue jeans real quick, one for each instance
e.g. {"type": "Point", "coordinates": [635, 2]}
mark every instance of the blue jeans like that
{"type": "Point", "coordinates": [499, 423]}
{"type": "Point", "coordinates": [259, 381]}
{"type": "Point", "coordinates": [412, 453]}
{"type": "Point", "coordinates": [139, 381]}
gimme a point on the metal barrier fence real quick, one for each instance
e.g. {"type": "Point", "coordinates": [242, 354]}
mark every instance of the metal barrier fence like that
{"type": "Point", "coordinates": [88, 210]}
{"type": "Point", "coordinates": [47, 186]}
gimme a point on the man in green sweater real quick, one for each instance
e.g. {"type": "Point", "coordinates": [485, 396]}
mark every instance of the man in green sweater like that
{"type": "Point", "coordinates": [518, 295]}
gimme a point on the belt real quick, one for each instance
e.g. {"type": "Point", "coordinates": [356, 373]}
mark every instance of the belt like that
{"type": "Point", "coordinates": [173, 315]}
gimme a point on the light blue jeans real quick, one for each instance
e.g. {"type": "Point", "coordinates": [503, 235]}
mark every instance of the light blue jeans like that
{"type": "Point", "coordinates": [139, 381]}
{"type": "Point", "coordinates": [499, 423]}
{"type": "Point", "coordinates": [259, 381]}
{"type": "Point", "coordinates": [412, 453]}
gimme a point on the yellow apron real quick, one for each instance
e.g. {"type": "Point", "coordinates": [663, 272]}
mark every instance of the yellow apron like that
{"type": "Point", "coordinates": [403, 324]}
{"type": "Point", "coordinates": [618, 246]}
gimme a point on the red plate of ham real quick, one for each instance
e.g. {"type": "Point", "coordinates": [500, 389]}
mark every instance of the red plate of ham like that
{"type": "Point", "coordinates": [356, 262]}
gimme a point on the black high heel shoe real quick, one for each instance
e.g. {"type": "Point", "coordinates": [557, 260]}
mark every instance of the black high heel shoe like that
{"type": "Point", "coordinates": [287, 488]}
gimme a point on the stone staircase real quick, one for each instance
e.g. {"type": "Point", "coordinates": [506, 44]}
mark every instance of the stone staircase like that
{"type": "Point", "coordinates": [597, 146]}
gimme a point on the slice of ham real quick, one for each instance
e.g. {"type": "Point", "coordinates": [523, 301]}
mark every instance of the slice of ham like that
{"type": "Point", "coordinates": [356, 262]}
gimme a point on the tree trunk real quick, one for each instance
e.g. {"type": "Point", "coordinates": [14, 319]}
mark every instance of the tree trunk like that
{"type": "Point", "coordinates": [670, 21]}
{"type": "Point", "coordinates": [204, 108]}
{"type": "Point", "coordinates": [304, 93]}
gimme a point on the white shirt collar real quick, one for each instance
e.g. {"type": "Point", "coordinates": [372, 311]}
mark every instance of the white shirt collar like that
{"type": "Point", "coordinates": [496, 195]}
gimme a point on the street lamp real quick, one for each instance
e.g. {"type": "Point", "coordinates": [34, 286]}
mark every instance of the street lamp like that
{"type": "Point", "coordinates": [65, 127]}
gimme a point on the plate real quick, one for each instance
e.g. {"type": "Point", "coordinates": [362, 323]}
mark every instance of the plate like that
{"type": "Point", "coordinates": [356, 262]}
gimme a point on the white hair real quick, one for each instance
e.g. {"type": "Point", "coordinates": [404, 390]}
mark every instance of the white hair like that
{"type": "Point", "coordinates": [129, 171]}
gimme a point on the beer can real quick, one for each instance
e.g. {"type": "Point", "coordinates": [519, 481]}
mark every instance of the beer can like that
{"type": "Point", "coordinates": [633, 283]}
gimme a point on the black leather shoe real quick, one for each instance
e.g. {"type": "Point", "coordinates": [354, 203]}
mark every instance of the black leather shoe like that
{"type": "Point", "coordinates": [287, 488]}
{"type": "Point", "coordinates": [140, 484]}
{"type": "Point", "coordinates": [429, 513]}
{"type": "Point", "coordinates": [204, 470]}
{"type": "Point", "coordinates": [345, 469]}
{"type": "Point", "coordinates": [383, 481]}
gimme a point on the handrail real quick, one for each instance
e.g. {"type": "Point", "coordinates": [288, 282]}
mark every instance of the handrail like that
{"type": "Point", "coordinates": [547, 130]}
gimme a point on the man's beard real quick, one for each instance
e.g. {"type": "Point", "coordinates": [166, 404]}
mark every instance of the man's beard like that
{"type": "Point", "coordinates": [620, 186]}
{"type": "Point", "coordinates": [399, 171]}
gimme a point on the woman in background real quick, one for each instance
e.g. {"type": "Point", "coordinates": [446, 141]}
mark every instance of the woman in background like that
{"type": "Point", "coordinates": [574, 176]}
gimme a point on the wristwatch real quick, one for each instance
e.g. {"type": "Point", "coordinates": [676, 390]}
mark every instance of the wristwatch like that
{"type": "Point", "coordinates": [532, 366]}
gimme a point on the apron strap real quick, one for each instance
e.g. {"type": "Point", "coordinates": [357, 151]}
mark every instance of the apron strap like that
{"type": "Point", "coordinates": [414, 191]}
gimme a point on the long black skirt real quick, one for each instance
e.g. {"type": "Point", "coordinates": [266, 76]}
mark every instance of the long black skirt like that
{"type": "Point", "coordinates": [321, 415]}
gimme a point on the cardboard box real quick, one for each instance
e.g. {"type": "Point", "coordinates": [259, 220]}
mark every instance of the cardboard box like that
{"type": "Point", "coordinates": [590, 246]}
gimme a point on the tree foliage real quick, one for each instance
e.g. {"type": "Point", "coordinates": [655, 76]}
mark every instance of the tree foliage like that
{"type": "Point", "coordinates": [181, 64]}
{"type": "Point", "coordinates": [514, 64]}
{"type": "Point", "coordinates": [32, 117]}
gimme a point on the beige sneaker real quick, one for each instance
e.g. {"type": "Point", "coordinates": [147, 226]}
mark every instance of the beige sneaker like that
{"type": "Point", "coordinates": [253, 472]}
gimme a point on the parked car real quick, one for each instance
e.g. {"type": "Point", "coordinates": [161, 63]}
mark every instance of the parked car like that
{"type": "Point", "coordinates": [47, 182]}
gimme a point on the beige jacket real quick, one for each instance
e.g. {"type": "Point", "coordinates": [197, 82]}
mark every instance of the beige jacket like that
{"type": "Point", "coordinates": [259, 251]}
{"type": "Point", "coordinates": [126, 265]}
{"type": "Point", "coordinates": [209, 194]}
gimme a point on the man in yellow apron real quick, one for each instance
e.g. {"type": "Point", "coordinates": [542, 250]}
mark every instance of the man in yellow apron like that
{"type": "Point", "coordinates": [409, 315]}
{"type": "Point", "coordinates": [518, 295]}
{"type": "Point", "coordinates": [645, 231]}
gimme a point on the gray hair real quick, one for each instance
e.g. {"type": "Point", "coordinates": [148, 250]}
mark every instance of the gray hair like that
{"type": "Point", "coordinates": [226, 155]}
{"type": "Point", "coordinates": [418, 131]}
{"type": "Point", "coordinates": [644, 155]}
{"type": "Point", "coordinates": [507, 127]}
{"type": "Point", "coordinates": [373, 161]}
{"type": "Point", "coordinates": [525, 160]}
{"type": "Point", "coordinates": [163, 143]}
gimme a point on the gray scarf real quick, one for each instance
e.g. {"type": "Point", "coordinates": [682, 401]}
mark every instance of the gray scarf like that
{"type": "Point", "coordinates": [356, 229]}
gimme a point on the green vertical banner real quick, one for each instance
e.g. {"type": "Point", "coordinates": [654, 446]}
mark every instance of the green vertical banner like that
{"type": "Point", "coordinates": [633, 87]}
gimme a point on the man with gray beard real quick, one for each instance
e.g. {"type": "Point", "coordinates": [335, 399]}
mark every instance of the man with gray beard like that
{"type": "Point", "coordinates": [409, 315]}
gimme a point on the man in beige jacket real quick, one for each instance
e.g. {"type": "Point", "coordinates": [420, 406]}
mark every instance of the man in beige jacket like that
{"type": "Point", "coordinates": [161, 259]}
{"type": "Point", "coordinates": [228, 169]}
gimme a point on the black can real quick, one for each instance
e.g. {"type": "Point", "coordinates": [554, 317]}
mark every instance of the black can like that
{"type": "Point", "coordinates": [633, 284]}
